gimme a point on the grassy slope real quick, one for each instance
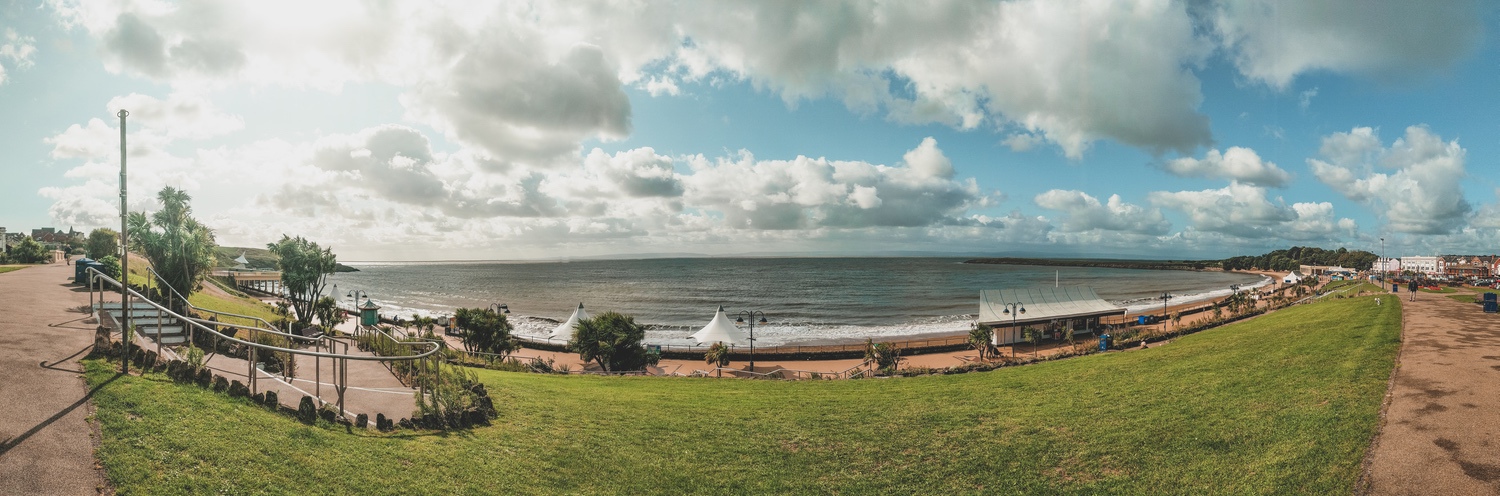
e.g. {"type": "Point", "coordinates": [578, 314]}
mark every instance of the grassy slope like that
{"type": "Point", "coordinates": [232, 304]}
{"type": "Point", "coordinates": [11, 268]}
{"type": "Point", "coordinates": [1283, 403]}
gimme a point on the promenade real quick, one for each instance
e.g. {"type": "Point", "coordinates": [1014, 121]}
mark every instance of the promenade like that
{"type": "Point", "coordinates": [1440, 434]}
{"type": "Point", "coordinates": [46, 442]}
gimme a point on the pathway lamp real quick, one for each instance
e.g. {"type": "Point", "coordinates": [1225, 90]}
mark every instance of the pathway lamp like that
{"type": "Point", "coordinates": [499, 308]}
{"type": "Point", "coordinates": [354, 297]}
{"type": "Point", "coordinates": [748, 316]}
{"type": "Point", "coordinates": [1013, 310]}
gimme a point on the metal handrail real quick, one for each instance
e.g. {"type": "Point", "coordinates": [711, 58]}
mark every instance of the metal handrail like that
{"type": "Point", "coordinates": [436, 346]}
{"type": "Point", "coordinates": [195, 308]}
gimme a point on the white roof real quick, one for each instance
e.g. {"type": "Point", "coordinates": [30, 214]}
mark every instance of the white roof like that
{"type": "Point", "coordinates": [720, 330]}
{"type": "Point", "coordinates": [1043, 304]}
{"type": "Point", "coordinates": [1293, 275]}
{"type": "Point", "coordinates": [564, 331]}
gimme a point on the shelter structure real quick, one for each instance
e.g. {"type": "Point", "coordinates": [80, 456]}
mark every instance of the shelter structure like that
{"type": "Point", "coordinates": [1067, 308]}
{"type": "Point", "coordinates": [564, 331]}
{"type": "Point", "coordinates": [720, 330]}
{"type": "Point", "coordinates": [1292, 277]}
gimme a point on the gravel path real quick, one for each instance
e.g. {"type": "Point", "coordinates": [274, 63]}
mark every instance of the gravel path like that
{"type": "Point", "coordinates": [1441, 433]}
{"type": "Point", "coordinates": [46, 442]}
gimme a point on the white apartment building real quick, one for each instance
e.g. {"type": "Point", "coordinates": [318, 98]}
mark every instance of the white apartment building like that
{"type": "Point", "coordinates": [1391, 265]}
{"type": "Point", "coordinates": [1421, 265]}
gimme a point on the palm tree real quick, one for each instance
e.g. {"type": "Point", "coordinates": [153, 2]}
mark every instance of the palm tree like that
{"type": "Point", "coordinates": [178, 247]}
{"type": "Point", "coordinates": [718, 356]}
{"type": "Point", "coordinates": [979, 338]}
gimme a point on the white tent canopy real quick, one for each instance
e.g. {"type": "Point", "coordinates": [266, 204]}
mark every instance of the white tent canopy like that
{"type": "Point", "coordinates": [720, 330]}
{"type": "Point", "coordinates": [1292, 278]}
{"type": "Point", "coordinates": [564, 331]}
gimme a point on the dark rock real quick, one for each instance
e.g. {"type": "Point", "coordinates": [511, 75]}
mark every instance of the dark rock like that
{"type": "Point", "coordinates": [238, 389]}
{"type": "Point", "coordinates": [327, 413]}
{"type": "Point", "coordinates": [220, 384]}
{"type": "Point", "coordinates": [306, 411]}
{"type": "Point", "coordinates": [406, 423]}
{"type": "Point", "coordinates": [205, 377]}
{"type": "Point", "coordinates": [362, 421]}
{"type": "Point", "coordinates": [271, 399]}
{"type": "Point", "coordinates": [381, 423]}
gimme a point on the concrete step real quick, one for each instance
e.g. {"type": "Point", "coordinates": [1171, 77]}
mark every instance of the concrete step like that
{"type": "Point", "coordinates": [151, 320]}
{"type": "Point", "coordinates": [174, 340]}
{"type": "Point", "coordinates": [134, 305]}
{"type": "Point", "coordinates": [171, 330]}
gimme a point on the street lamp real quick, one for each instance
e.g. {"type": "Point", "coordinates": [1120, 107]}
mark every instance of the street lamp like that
{"type": "Point", "coordinates": [748, 316]}
{"type": "Point", "coordinates": [1019, 309]}
{"type": "Point", "coordinates": [1383, 261]}
{"type": "Point", "coordinates": [499, 308]}
{"type": "Point", "coordinates": [354, 297]}
{"type": "Point", "coordinates": [1164, 297]}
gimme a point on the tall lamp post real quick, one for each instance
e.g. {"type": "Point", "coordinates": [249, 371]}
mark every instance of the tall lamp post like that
{"type": "Point", "coordinates": [1164, 297]}
{"type": "Point", "coordinates": [1383, 263]}
{"type": "Point", "coordinates": [354, 296]}
{"type": "Point", "coordinates": [124, 254]}
{"type": "Point", "coordinates": [748, 316]}
{"type": "Point", "coordinates": [1013, 310]}
{"type": "Point", "coordinates": [499, 308]}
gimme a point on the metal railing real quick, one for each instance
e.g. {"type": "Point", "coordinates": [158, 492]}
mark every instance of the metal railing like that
{"type": "Point", "coordinates": [195, 308]}
{"type": "Point", "coordinates": [340, 376]}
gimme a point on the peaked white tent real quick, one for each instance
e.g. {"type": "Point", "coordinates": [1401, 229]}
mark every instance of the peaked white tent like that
{"type": "Point", "coordinates": [241, 261]}
{"type": "Point", "coordinates": [1292, 278]}
{"type": "Point", "coordinates": [720, 330]}
{"type": "Point", "coordinates": [564, 331]}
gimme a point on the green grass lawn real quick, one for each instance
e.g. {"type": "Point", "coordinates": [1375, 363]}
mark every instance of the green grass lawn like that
{"type": "Point", "coordinates": [10, 268]}
{"type": "Point", "coordinates": [233, 304]}
{"type": "Point", "coordinates": [1474, 296]}
{"type": "Point", "coordinates": [1283, 403]}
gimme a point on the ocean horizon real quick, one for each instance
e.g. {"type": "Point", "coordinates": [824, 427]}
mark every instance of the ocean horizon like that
{"type": "Point", "coordinates": [807, 300]}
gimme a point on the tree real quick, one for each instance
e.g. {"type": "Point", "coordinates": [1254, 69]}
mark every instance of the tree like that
{"type": "Point", "coordinates": [484, 331]}
{"type": "Point", "coordinates": [885, 355]}
{"type": "Point", "coordinates": [28, 251]}
{"type": "Point", "coordinates": [178, 247]}
{"type": "Point", "coordinates": [328, 313]}
{"type": "Point", "coordinates": [612, 340]}
{"type": "Point", "coordinates": [718, 356]}
{"type": "Point", "coordinates": [980, 339]}
{"type": "Point", "coordinates": [304, 271]}
{"type": "Point", "coordinates": [102, 242]}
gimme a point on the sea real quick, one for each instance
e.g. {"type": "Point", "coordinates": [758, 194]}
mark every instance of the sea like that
{"type": "Point", "coordinates": [805, 300]}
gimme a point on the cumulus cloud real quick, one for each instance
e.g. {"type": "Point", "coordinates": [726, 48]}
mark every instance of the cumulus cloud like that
{"type": "Point", "coordinates": [817, 192]}
{"type": "Point", "coordinates": [1244, 211]}
{"type": "Point", "coordinates": [16, 50]}
{"type": "Point", "coordinates": [1422, 193]}
{"type": "Point", "coordinates": [1086, 213]}
{"type": "Point", "coordinates": [1236, 163]}
{"type": "Point", "coordinates": [1273, 41]}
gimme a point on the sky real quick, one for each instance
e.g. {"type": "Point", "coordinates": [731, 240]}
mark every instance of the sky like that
{"type": "Point", "coordinates": [435, 130]}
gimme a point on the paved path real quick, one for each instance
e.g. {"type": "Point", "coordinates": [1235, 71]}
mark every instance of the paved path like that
{"type": "Point", "coordinates": [45, 439]}
{"type": "Point", "coordinates": [1442, 431]}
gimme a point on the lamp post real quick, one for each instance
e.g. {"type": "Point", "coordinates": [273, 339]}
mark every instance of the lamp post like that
{"type": "Point", "coordinates": [499, 308]}
{"type": "Point", "coordinates": [748, 316]}
{"type": "Point", "coordinates": [1013, 310]}
{"type": "Point", "coordinates": [1383, 262]}
{"type": "Point", "coordinates": [354, 297]}
{"type": "Point", "coordinates": [124, 255]}
{"type": "Point", "coordinates": [1164, 297]}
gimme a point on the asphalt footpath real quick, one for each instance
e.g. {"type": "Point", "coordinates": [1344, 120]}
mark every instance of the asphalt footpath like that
{"type": "Point", "coordinates": [46, 442]}
{"type": "Point", "coordinates": [1441, 432]}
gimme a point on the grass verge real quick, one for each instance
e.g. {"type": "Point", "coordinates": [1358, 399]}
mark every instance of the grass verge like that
{"type": "Point", "coordinates": [11, 268]}
{"type": "Point", "coordinates": [233, 304]}
{"type": "Point", "coordinates": [1283, 403]}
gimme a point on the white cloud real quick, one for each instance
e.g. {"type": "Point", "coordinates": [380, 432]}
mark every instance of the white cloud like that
{"type": "Point", "coordinates": [1422, 194]}
{"type": "Point", "coordinates": [179, 116]}
{"type": "Point", "coordinates": [1274, 41]}
{"type": "Point", "coordinates": [1236, 163]}
{"type": "Point", "coordinates": [1244, 211]}
{"type": "Point", "coordinates": [1086, 213]}
{"type": "Point", "coordinates": [18, 50]}
{"type": "Point", "coordinates": [1304, 99]}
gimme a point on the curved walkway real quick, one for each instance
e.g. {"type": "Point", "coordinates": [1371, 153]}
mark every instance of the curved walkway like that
{"type": "Point", "coordinates": [1441, 433]}
{"type": "Point", "coordinates": [46, 444]}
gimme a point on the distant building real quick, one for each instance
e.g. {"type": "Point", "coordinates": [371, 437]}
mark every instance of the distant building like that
{"type": "Point", "coordinates": [1383, 265]}
{"type": "Point", "coordinates": [1467, 265]}
{"type": "Point", "coordinates": [1421, 265]}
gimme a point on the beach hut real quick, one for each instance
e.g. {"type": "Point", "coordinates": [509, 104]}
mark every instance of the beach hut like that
{"type": "Point", "coordinates": [1291, 278]}
{"type": "Point", "coordinates": [564, 331]}
{"type": "Point", "coordinates": [720, 330]}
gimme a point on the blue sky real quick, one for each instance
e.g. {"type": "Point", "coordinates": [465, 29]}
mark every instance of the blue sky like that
{"type": "Point", "coordinates": [524, 130]}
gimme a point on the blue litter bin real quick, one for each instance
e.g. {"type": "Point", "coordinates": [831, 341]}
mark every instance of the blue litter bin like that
{"type": "Point", "coordinates": [1141, 320]}
{"type": "Point", "coordinates": [1491, 307]}
{"type": "Point", "coordinates": [1103, 342]}
{"type": "Point", "coordinates": [78, 267]}
{"type": "Point", "coordinates": [1489, 297]}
